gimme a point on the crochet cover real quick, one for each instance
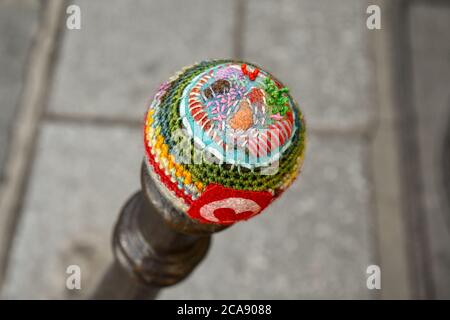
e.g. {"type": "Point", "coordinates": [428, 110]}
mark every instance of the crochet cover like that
{"type": "Point", "coordinates": [223, 139]}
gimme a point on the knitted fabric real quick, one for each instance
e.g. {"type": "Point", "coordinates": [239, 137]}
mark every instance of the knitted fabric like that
{"type": "Point", "coordinates": [223, 139]}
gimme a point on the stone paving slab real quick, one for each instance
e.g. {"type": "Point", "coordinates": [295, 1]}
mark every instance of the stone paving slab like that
{"type": "Point", "coordinates": [321, 50]}
{"type": "Point", "coordinates": [80, 178]}
{"type": "Point", "coordinates": [124, 51]}
{"type": "Point", "coordinates": [18, 23]}
{"type": "Point", "coordinates": [312, 243]}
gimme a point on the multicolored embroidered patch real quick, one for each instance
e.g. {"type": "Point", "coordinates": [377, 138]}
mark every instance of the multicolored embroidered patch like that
{"type": "Point", "coordinates": [223, 139]}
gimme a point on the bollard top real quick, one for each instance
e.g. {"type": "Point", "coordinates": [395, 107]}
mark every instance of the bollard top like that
{"type": "Point", "coordinates": [223, 139]}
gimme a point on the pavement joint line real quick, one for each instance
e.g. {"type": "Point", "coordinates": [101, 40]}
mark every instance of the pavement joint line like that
{"type": "Point", "coordinates": [418, 241]}
{"type": "Point", "coordinates": [31, 105]}
{"type": "Point", "coordinates": [94, 120]}
{"type": "Point", "coordinates": [384, 150]}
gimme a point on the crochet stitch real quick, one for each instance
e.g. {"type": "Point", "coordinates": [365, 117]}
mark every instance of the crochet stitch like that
{"type": "Point", "coordinates": [223, 139]}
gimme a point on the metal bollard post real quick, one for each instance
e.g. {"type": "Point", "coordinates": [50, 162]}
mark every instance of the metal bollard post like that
{"type": "Point", "coordinates": [154, 246]}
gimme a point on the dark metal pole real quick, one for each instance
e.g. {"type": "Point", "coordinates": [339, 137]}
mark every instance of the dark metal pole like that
{"type": "Point", "coordinates": [154, 246]}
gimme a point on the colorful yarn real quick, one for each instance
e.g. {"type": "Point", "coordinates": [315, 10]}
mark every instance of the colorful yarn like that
{"type": "Point", "coordinates": [223, 139]}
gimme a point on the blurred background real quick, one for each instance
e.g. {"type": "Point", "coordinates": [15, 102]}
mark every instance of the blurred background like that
{"type": "Point", "coordinates": [374, 190]}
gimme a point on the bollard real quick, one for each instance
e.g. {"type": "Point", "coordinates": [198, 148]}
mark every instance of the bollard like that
{"type": "Point", "coordinates": [223, 139]}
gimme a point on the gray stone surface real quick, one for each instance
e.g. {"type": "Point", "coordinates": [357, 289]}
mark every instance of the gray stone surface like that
{"type": "Point", "coordinates": [124, 51]}
{"type": "Point", "coordinates": [81, 177]}
{"type": "Point", "coordinates": [430, 34]}
{"type": "Point", "coordinates": [312, 243]}
{"type": "Point", "coordinates": [320, 49]}
{"type": "Point", "coordinates": [18, 22]}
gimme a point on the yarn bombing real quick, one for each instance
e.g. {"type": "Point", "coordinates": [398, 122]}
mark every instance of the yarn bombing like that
{"type": "Point", "coordinates": [223, 139]}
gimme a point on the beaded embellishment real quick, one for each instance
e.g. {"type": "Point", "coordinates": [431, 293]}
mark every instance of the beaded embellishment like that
{"type": "Point", "coordinates": [223, 139]}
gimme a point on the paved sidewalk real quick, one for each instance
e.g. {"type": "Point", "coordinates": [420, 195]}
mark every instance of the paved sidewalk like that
{"type": "Point", "coordinates": [430, 28]}
{"type": "Point", "coordinates": [316, 242]}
